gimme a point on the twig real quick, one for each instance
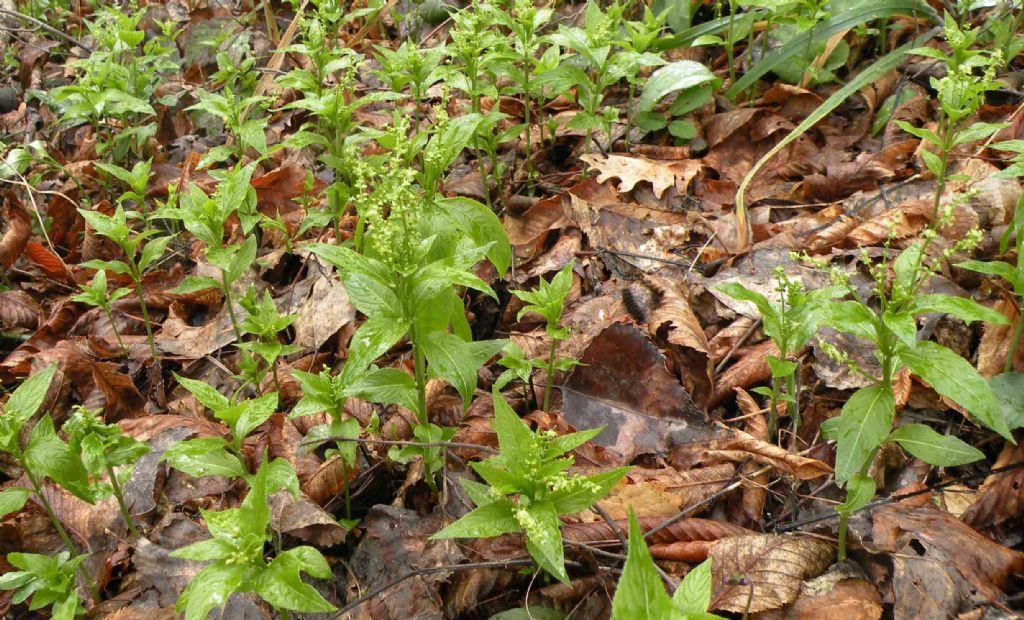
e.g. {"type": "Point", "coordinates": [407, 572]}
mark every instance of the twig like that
{"type": "Point", "coordinates": [739, 343]}
{"type": "Point", "coordinates": [797, 525]}
{"type": "Point", "coordinates": [47, 29]}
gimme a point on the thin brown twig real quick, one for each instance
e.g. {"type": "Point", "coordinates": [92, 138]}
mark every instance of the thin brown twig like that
{"type": "Point", "coordinates": [48, 29]}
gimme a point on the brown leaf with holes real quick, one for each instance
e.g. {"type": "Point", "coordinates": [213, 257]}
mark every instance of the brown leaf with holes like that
{"type": "Point", "coordinates": [631, 170]}
{"type": "Point", "coordinates": [19, 311]}
{"type": "Point", "coordinates": [19, 229]}
{"type": "Point", "coordinates": [964, 566]}
{"type": "Point", "coordinates": [763, 571]}
{"type": "Point", "coordinates": [1001, 496]}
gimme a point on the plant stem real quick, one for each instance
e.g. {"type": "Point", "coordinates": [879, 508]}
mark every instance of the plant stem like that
{"type": "Point", "coordinates": [116, 486]}
{"type": "Point", "coordinates": [419, 364]}
{"type": "Point", "coordinates": [550, 375]}
{"type": "Point", "coordinates": [145, 318]}
{"type": "Point", "coordinates": [229, 302]}
{"type": "Point", "coordinates": [1014, 343]}
{"type": "Point", "coordinates": [110, 319]}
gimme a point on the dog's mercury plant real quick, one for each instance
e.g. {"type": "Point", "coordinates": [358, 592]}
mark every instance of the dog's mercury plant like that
{"type": "Point", "coordinates": [528, 488]}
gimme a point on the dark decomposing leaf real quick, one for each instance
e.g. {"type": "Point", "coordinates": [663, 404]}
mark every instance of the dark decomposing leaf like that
{"type": "Point", "coordinates": [603, 392]}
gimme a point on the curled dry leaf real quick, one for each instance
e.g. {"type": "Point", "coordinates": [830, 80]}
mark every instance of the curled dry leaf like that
{"type": "Point", "coordinates": [631, 170]}
{"type": "Point", "coordinates": [900, 222]}
{"type": "Point", "coordinates": [674, 315]}
{"type": "Point", "coordinates": [1001, 496]}
{"type": "Point", "coordinates": [664, 492]}
{"type": "Point", "coordinates": [741, 446]}
{"type": "Point", "coordinates": [764, 571]}
{"type": "Point", "coordinates": [304, 520]}
{"type": "Point", "coordinates": [329, 480]}
{"type": "Point", "coordinates": [19, 229]}
{"type": "Point", "coordinates": [836, 594]}
{"type": "Point", "coordinates": [755, 487]}
{"type": "Point", "coordinates": [749, 370]}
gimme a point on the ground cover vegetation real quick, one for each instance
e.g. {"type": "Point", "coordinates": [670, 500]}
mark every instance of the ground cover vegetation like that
{"type": "Point", "coordinates": [506, 309]}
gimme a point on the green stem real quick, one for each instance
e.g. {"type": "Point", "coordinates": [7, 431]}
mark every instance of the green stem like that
{"type": "Point", "coordinates": [110, 319]}
{"type": "Point", "coordinates": [773, 407]}
{"type": "Point", "coordinates": [420, 370]}
{"type": "Point", "coordinates": [792, 388]}
{"type": "Point", "coordinates": [116, 487]}
{"type": "Point", "coordinates": [345, 489]}
{"type": "Point", "coordinates": [37, 487]}
{"type": "Point", "coordinates": [145, 319]}
{"type": "Point", "coordinates": [550, 375]}
{"type": "Point", "coordinates": [229, 302]}
{"type": "Point", "coordinates": [844, 520]}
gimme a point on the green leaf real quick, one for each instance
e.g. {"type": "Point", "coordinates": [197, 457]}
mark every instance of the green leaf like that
{"type": "Point", "coordinates": [12, 500]}
{"type": "Point", "coordinates": [861, 428]}
{"type": "Point", "coordinates": [204, 393]}
{"type": "Point", "coordinates": [967, 310]}
{"type": "Point", "coordinates": [254, 412]}
{"type": "Point", "coordinates": [780, 368]}
{"type": "Point", "coordinates": [46, 454]}
{"type": "Point", "coordinates": [209, 589]}
{"type": "Point", "coordinates": [371, 296]}
{"type": "Point", "coordinates": [280, 584]}
{"type": "Point", "coordinates": [673, 77]}
{"type": "Point", "coordinates": [901, 324]}
{"type": "Point", "coordinates": [529, 613]}
{"type": "Point", "coordinates": [997, 268]}
{"type": "Point", "coordinates": [515, 440]}
{"type": "Point", "coordinates": [388, 386]}
{"type": "Point", "coordinates": [493, 519]}
{"type": "Point", "coordinates": [935, 449]}
{"type": "Point", "coordinates": [1009, 391]}
{"type": "Point", "coordinates": [919, 132]}
{"type": "Point", "coordinates": [205, 456]}
{"type": "Point", "coordinates": [640, 592]}
{"type": "Point", "coordinates": [694, 593]}
{"type": "Point", "coordinates": [483, 227]}
{"type": "Point", "coordinates": [581, 495]}
{"type": "Point", "coordinates": [154, 249]}
{"type": "Point", "coordinates": [851, 317]}
{"type": "Point", "coordinates": [953, 377]}
{"type": "Point", "coordinates": [28, 396]}
{"type": "Point", "coordinates": [191, 284]}
{"type": "Point", "coordinates": [544, 538]}
{"type": "Point", "coordinates": [860, 490]}
{"type": "Point", "coordinates": [371, 340]}
{"type": "Point", "coordinates": [457, 361]}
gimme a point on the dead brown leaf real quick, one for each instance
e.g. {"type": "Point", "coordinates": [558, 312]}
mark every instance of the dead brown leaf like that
{"type": "Point", "coordinates": [1001, 496]}
{"type": "Point", "coordinates": [19, 311]}
{"type": "Point", "coordinates": [763, 571]}
{"type": "Point", "coordinates": [19, 229]}
{"type": "Point", "coordinates": [741, 446]}
{"type": "Point", "coordinates": [631, 170]}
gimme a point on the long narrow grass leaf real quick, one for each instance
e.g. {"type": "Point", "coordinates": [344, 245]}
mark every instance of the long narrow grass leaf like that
{"type": "Point", "coordinates": [881, 66]}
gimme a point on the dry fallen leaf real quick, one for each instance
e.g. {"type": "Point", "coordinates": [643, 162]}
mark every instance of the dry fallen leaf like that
{"type": "Point", "coordinates": [631, 170]}
{"type": "Point", "coordinates": [764, 571]}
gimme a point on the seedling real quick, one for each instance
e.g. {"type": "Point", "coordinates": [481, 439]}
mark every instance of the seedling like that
{"type": "Point", "coordinates": [95, 294]}
{"type": "Point", "coordinates": [547, 300]}
{"type": "Point", "coordinates": [246, 130]}
{"type": "Point", "coordinates": [789, 322]}
{"type": "Point", "coordinates": [104, 448]}
{"type": "Point", "coordinates": [528, 489]}
{"type": "Point", "coordinates": [265, 323]}
{"type": "Point", "coordinates": [640, 593]}
{"type": "Point", "coordinates": [49, 580]}
{"type": "Point", "coordinates": [115, 227]}
{"type": "Point", "coordinates": [235, 549]}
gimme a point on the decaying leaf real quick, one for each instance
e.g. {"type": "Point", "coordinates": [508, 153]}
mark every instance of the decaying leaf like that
{"type": "Point", "coordinates": [764, 571]}
{"type": "Point", "coordinates": [602, 392]}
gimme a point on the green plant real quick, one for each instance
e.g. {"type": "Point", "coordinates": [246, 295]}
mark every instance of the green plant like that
{"type": "Point", "coordinates": [246, 130]}
{"type": "Point", "coordinates": [115, 82]}
{"type": "Point", "coordinates": [103, 448]}
{"type": "Point", "coordinates": [206, 218]}
{"type": "Point", "coordinates": [547, 300]}
{"type": "Point", "coordinates": [600, 70]}
{"type": "Point", "coordinates": [525, 22]}
{"type": "Point", "coordinates": [867, 417]}
{"type": "Point", "coordinates": [43, 456]}
{"type": "Point", "coordinates": [49, 580]}
{"type": "Point", "coordinates": [528, 489]}
{"type": "Point", "coordinates": [236, 551]}
{"type": "Point", "coordinates": [695, 85]}
{"type": "Point", "coordinates": [265, 323]}
{"type": "Point", "coordinates": [137, 179]}
{"type": "Point", "coordinates": [412, 67]}
{"type": "Point", "coordinates": [217, 456]}
{"type": "Point", "coordinates": [95, 294]}
{"type": "Point", "coordinates": [789, 320]}
{"type": "Point", "coordinates": [960, 93]}
{"type": "Point", "coordinates": [115, 227]}
{"type": "Point", "coordinates": [640, 593]}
